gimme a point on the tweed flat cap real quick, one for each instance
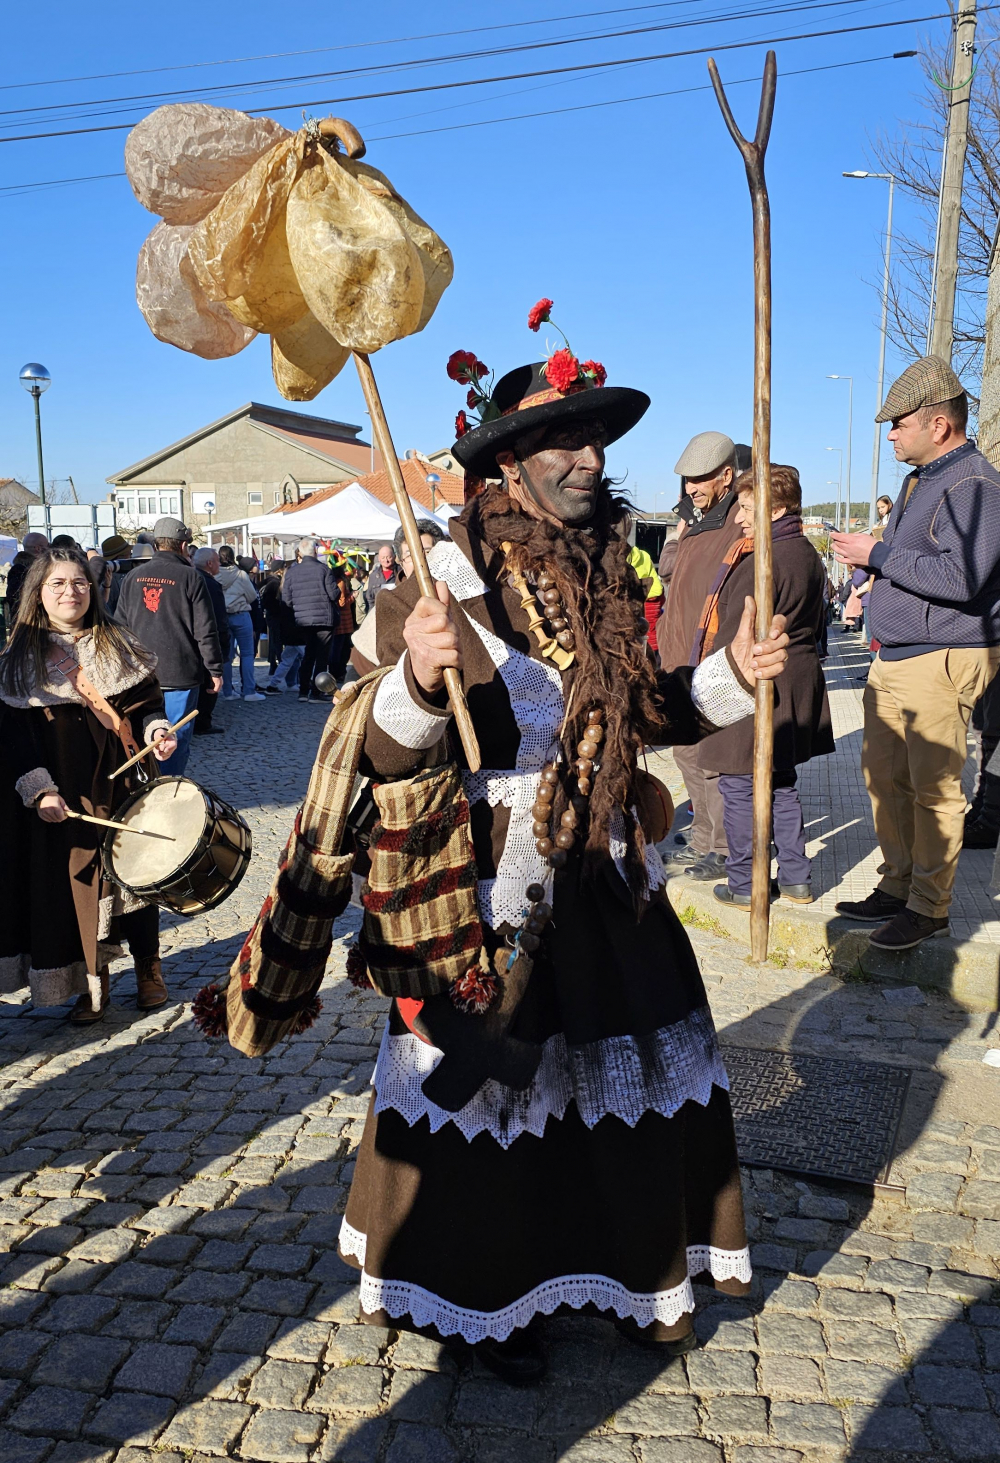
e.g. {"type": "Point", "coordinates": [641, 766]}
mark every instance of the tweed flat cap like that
{"type": "Point", "coordinates": [169, 528]}
{"type": "Point", "coordinates": [708, 452]}
{"type": "Point", "coordinates": [925, 383]}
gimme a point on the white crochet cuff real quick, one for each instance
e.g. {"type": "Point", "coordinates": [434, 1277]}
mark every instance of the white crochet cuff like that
{"type": "Point", "coordinates": [401, 717]}
{"type": "Point", "coordinates": [31, 786]}
{"type": "Point", "coordinates": [161, 724]}
{"type": "Point", "coordinates": [718, 693]}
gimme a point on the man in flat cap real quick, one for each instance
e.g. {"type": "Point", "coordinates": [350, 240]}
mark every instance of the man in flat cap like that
{"type": "Point", "coordinates": [935, 609]}
{"type": "Point", "coordinates": [707, 467]}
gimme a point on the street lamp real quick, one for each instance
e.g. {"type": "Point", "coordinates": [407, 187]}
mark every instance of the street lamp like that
{"type": "Point", "coordinates": [36, 379]}
{"type": "Point", "coordinates": [850, 426]}
{"type": "Point", "coordinates": [877, 448]}
{"type": "Point", "coordinates": [840, 483]}
{"type": "Point", "coordinates": [433, 481]}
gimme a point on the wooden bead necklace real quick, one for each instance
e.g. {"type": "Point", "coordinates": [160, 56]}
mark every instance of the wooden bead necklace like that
{"type": "Point", "coordinates": [555, 850]}
{"type": "Point", "coordinates": [559, 647]}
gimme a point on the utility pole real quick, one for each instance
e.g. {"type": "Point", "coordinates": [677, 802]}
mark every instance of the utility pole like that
{"type": "Point", "coordinates": [950, 207]}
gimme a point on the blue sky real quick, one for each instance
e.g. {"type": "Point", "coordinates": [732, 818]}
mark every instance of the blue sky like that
{"type": "Point", "coordinates": [634, 218]}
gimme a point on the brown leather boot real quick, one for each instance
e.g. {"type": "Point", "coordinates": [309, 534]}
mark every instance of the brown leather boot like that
{"type": "Point", "coordinates": [152, 991]}
{"type": "Point", "coordinates": [83, 1013]}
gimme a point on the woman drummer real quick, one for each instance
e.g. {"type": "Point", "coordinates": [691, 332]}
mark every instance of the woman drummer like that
{"type": "Point", "coordinates": [77, 691]}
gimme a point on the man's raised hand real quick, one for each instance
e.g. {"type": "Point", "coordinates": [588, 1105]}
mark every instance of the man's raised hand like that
{"type": "Point", "coordinates": [432, 639]}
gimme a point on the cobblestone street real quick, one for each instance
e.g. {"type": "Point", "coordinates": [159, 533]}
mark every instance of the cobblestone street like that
{"type": "Point", "coordinates": [169, 1213]}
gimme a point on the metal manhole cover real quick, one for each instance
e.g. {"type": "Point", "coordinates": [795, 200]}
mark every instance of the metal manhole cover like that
{"type": "Point", "coordinates": [818, 1116]}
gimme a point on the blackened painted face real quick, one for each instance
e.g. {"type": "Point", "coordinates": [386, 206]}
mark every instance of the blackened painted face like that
{"type": "Point", "coordinates": [561, 468]}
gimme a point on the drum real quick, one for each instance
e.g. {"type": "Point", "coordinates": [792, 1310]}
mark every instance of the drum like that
{"type": "Point", "coordinates": [208, 857]}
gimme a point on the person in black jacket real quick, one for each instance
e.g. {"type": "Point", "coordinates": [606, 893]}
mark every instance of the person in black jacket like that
{"type": "Point", "coordinates": [206, 561]}
{"type": "Point", "coordinates": [802, 726]}
{"type": "Point", "coordinates": [168, 608]}
{"type": "Point", "coordinates": [32, 545]}
{"type": "Point", "coordinates": [270, 603]}
{"type": "Point", "coordinates": [311, 593]}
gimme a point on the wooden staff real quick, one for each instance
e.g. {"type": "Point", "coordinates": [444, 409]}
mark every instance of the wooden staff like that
{"type": "Point", "coordinates": [763, 739]}
{"type": "Point", "coordinates": [122, 827]}
{"type": "Point", "coordinates": [401, 499]}
{"type": "Point", "coordinates": [146, 750]}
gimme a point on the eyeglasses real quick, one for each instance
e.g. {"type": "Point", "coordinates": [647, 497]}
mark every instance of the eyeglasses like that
{"type": "Point", "coordinates": [76, 586]}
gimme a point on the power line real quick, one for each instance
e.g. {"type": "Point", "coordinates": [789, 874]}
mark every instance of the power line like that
{"type": "Point", "coordinates": [523, 75]}
{"type": "Point", "coordinates": [354, 46]}
{"type": "Point", "coordinates": [418, 63]}
{"type": "Point", "coordinates": [20, 189]}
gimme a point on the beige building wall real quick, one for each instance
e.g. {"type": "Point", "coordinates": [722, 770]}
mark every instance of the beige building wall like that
{"type": "Point", "coordinates": [239, 467]}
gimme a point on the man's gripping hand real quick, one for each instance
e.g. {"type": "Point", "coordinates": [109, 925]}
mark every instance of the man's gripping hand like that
{"type": "Point", "coordinates": [432, 639]}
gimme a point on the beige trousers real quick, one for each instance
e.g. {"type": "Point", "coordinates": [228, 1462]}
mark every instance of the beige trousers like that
{"type": "Point", "coordinates": [706, 833]}
{"type": "Point", "coordinates": [916, 719]}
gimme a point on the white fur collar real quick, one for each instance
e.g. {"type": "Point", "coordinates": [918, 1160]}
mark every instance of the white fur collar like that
{"type": "Point", "coordinates": [110, 675]}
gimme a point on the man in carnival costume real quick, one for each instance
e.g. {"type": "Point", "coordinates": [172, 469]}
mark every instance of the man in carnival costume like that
{"type": "Point", "coordinates": [602, 1174]}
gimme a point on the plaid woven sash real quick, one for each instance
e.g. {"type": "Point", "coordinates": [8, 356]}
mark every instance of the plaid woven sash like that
{"type": "Point", "coordinates": [280, 967]}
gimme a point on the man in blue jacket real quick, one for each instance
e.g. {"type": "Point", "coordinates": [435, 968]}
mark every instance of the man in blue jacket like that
{"type": "Point", "coordinates": [935, 609]}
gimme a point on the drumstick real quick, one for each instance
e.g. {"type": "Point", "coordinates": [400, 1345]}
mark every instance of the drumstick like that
{"type": "Point", "coordinates": [146, 750]}
{"type": "Point", "coordinates": [122, 827]}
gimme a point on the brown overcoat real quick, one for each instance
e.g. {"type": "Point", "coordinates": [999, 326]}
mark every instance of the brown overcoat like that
{"type": "Point", "coordinates": [701, 550]}
{"type": "Point", "coordinates": [802, 726]}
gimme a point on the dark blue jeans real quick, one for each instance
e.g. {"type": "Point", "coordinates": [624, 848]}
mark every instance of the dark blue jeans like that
{"type": "Point", "coordinates": [787, 826]}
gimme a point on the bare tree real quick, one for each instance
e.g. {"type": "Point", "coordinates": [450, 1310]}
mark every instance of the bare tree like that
{"type": "Point", "coordinates": [914, 156]}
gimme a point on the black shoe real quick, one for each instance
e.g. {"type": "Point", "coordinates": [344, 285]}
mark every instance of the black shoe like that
{"type": "Point", "coordinates": [725, 895]}
{"type": "Point", "coordinates": [519, 1361]}
{"type": "Point", "coordinates": [907, 929]}
{"type": "Point", "coordinates": [874, 910]}
{"type": "Point", "coordinates": [304, 696]}
{"type": "Point", "coordinates": [709, 866]}
{"type": "Point", "coordinates": [273, 691]}
{"type": "Point", "coordinates": [797, 893]}
{"type": "Point", "coordinates": [634, 1333]}
{"type": "Point", "coordinates": [980, 834]}
{"type": "Point", "coordinates": [679, 858]}
{"type": "Point", "coordinates": [210, 731]}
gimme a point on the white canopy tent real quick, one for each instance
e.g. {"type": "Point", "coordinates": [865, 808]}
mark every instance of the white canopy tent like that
{"type": "Point", "coordinates": [352, 516]}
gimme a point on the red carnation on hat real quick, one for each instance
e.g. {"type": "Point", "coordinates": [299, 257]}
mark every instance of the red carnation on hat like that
{"type": "Point", "coordinates": [463, 366]}
{"type": "Point", "coordinates": [473, 399]}
{"type": "Point", "coordinates": [562, 369]}
{"type": "Point", "coordinates": [475, 991]}
{"type": "Point", "coordinates": [539, 314]}
{"type": "Point", "coordinates": [595, 371]}
{"type": "Point", "coordinates": [461, 424]}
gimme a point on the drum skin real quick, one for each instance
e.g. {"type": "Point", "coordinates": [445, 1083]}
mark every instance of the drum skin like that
{"type": "Point", "coordinates": [207, 861]}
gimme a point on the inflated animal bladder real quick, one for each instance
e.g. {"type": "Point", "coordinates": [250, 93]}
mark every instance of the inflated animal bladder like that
{"type": "Point", "coordinates": [279, 233]}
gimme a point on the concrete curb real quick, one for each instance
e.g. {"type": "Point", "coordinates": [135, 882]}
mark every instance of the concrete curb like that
{"type": "Point", "coordinates": [966, 970]}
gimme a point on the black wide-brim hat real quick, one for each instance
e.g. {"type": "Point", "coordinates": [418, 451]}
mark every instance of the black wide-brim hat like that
{"type": "Point", "coordinates": [524, 400]}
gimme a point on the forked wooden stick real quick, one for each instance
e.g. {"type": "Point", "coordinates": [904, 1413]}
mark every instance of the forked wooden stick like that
{"type": "Point", "coordinates": [401, 499]}
{"type": "Point", "coordinates": [122, 827]}
{"type": "Point", "coordinates": [146, 750]}
{"type": "Point", "coordinates": [763, 738]}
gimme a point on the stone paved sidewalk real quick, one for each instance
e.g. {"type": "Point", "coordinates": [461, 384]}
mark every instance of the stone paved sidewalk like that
{"type": "Point", "coordinates": [839, 827]}
{"type": "Point", "coordinates": [168, 1215]}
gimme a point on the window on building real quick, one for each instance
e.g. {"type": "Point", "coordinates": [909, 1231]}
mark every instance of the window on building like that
{"type": "Point", "coordinates": [255, 500]}
{"type": "Point", "coordinates": [277, 495]}
{"type": "Point", "coordinates": [149, 504]}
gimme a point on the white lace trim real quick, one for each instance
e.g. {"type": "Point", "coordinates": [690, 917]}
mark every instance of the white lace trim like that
{"type": "Point", "coordinates": [718, 693]}
{"type": "Point", "coordinates": [446, 561]}
{"type": "Point", "coordinates": [624, 1076]}
{"type": "Point", "coordinates": [655, 873]}
{"type": "Point", "coordinates": [397, 714]}
{"type": "Point", "coordinates": [535, 691]}
{"type": "Point", "coordinates": [401, 1298]}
